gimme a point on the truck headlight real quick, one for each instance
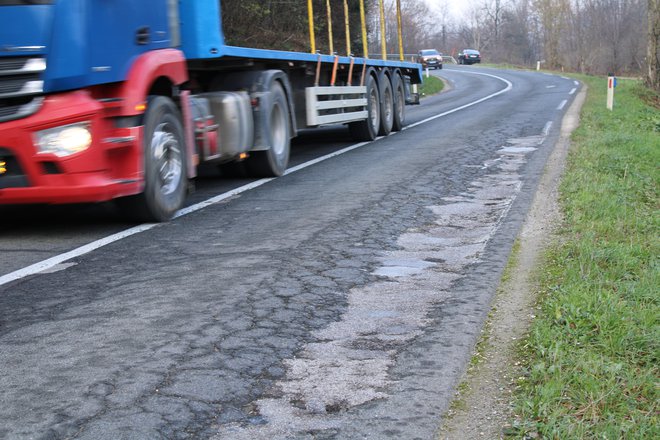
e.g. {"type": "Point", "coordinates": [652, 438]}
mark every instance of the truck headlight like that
{"type": "Point", "coordinates": [65, 140]}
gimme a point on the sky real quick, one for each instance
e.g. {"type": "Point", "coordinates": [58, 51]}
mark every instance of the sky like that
{"type": "Point", "coordinates": [456, 7]}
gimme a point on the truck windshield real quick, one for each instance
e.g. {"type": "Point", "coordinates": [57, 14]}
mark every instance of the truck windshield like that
{"type": "Point", "coordinates": [25, 2]}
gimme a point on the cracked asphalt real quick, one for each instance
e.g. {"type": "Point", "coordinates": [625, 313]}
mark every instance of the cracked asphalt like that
{"type": "Point", "coordinates": [338, 302]}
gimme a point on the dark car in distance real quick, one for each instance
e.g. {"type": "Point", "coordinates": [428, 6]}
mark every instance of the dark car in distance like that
{"type": "Point", "coordinates": [429, 58]}
{"type": "Point", "coordinates": [469, 56]}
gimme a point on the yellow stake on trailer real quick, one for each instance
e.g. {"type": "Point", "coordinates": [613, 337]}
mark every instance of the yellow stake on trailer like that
{"type": "Point", "coordinates": [348, 29]}
{"type": "Point", "coordinates": [332, 45]}
{"type": "Point", "coordinates": [363, 26]}
{"type": "Point", "coordinates": [310, 15]}
{"type": "Point", "coordinates": [399, 28]}
{"type": "Point", "coordinates": [383, 44]}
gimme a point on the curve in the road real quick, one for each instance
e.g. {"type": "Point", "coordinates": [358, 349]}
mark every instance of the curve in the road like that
{"type": "Point", "coordinates": [509, 86]}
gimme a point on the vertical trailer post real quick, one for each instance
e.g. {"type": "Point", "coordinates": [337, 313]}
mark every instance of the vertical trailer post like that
{"type": "Point", "coordinates": [318, 71]}
{"type": "Point", "coordinates": [350, 71]}
{"type": "Point", "coordinates": [310, 17]}
{"type": "Point", "coordinates": [335, 64]}
{"type": "Point", "coordinates": [332, 45]}
{"type": "Point", "coordinates": [363, 26]}
{"type": "Point", "coordinates": [383, 43]}
{"type": "Point", "coordinates": [399, 28]}
{"type": "Point", "coordinates": [348, 29]}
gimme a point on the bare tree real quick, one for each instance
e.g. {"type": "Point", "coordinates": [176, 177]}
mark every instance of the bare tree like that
{"type": "Point", "coordinates": [417, 22]}
{"type": "Point", "coordinates": [441, 27]}
{"type": "Point", "coordinates": [552, 15]}
{"type": "Point", "coordinates": [494, 10]}
{"type": "Point", "coordinates": [517, 43]}
{"type": "Point", "coordinates": [474, 32]}
{"type": "Point", "coordinates": [653, 46]}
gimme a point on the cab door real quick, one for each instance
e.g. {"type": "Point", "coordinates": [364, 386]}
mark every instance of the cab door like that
{"type": "Point", "coordinates": [120, 30]}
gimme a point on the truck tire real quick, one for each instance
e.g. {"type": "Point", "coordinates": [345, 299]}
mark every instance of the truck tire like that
{"type": "Point", "coordinates": [273, 162]}
{"type": "Point", "coordinates": [165, 181]}
{"type": "Point", "coordinates": [399, 103]}
{"type": "Point", "coordinates": [367, 130]}
{"type": "Point", "coordinates": [386, 105]}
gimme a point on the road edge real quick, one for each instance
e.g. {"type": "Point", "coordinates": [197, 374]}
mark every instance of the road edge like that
{"type": "Point", "coordinates": [482, 406]}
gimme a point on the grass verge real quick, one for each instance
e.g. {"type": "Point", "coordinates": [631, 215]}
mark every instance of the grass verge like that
{"type": "Point", "coordinates": [431, 86]}
{"type": "Point", "coordinates": [591, 359]}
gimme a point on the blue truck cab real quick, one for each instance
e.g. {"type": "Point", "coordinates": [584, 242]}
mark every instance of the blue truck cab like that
{"type": "Point", "coordinates": [83, 42]}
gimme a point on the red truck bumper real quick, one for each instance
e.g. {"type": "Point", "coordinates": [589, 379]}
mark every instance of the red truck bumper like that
{"type": "Point", "coordinates": [109, 168]}
{"type": "Point", "coordinates": [79, 189]}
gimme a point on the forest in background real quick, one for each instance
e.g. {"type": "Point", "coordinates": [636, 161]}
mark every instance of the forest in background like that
{"type": "Point", "coordinates": [586, 36]}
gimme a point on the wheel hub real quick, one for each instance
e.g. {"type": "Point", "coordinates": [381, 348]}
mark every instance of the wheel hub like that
{"type": "Point", "coordinates": [168, 157]}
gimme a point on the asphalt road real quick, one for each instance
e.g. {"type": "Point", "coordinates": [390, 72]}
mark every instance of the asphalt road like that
{"type": "Point", "coordinates": [340, 301]}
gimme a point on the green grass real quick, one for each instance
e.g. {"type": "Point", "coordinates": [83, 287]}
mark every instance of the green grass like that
{"type": "Point", "coordinates": [592, 354]}
{"type": "Point", "coordinates": [431, 86]}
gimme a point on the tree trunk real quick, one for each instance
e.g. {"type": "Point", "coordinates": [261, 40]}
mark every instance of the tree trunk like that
{"type": "Point", "coordinates": [652, 58]}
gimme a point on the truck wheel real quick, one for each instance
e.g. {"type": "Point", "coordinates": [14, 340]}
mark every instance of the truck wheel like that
{"type": "Point", "coordinates": [165, 180]}
{"type": "Point", "coordinates": [367, 130]}
{"type": "Point", "coordinates": [399, 104]}
{"type": "Point", "coordinates": [386, 105]}
{"type": "Point", "coordinates": [273, 162]}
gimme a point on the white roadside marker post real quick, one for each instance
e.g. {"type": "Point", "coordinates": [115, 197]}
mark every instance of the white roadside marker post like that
{"type": "Point", "coordinates": [611, 84]}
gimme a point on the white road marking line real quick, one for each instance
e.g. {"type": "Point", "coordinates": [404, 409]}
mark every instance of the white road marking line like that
{"type": "Point", "coordinates": [572, 90]}
{"type": "Point", "coordinates": [82, 250]}
{"type": "Point", "coordinates": [546, 128]}
{"type": "Point", "coordinates": [577, 83]}
{"type": "Point", "coordinates": [550, 87]}
{"type": "Point", "coordinates": [331, 155]}
{"type": "Point", "coordinates": [220, 197]}
{"type": "Point", "coordinates": [563, 103]}
{"type": "Point", "coordinates": [506, 89]}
